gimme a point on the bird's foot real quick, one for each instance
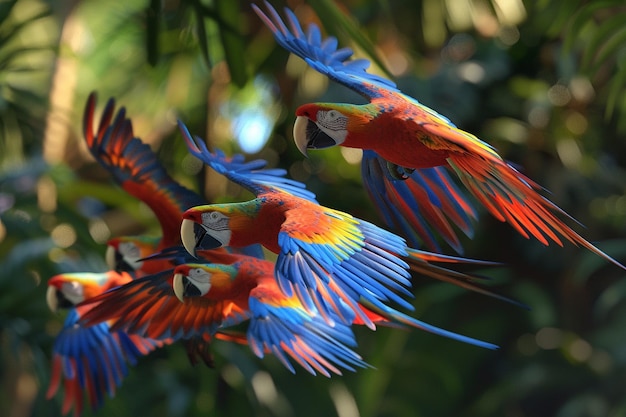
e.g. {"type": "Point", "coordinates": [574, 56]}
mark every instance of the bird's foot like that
{"type": "Point", "coordinates": [398, 172]}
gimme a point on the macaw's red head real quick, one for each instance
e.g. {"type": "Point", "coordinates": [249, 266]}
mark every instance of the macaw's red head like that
{"type": "Point", "coordinates": [195, 280]}
{"type": "Point", "coordinates": [217, 225]}
{"type": "Point", "coordinates": [320, 126]}
{"type": "Point", "coordinates": [68, 290]}
{"type": "Point", "coordinates": [127, 253]}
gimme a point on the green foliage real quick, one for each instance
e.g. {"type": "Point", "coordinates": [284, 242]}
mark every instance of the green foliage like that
{"type": "Point", "coordinates": [538, 88]}
{"type": "Point", "coordinates": [598, 30]}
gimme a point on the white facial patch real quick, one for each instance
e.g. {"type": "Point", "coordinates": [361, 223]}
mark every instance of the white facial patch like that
{"type": "Point", "coordinates": [216, 224]}
{"type": "Point", "coordinates": [334, 124]}
{"type": "Point", "coordinates": [73, 292]}
{"type": "Point", "coordinates": [131, 254]}
{"type": "Point", "coordinates": [201, 279]}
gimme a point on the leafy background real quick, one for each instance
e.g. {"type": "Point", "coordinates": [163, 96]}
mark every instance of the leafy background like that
{"type": "Point", "coordinates": [541, 80]}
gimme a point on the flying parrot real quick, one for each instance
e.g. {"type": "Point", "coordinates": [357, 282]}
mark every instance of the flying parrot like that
{"type": "Point", "coordinates": [217, 296]}
{"type": "Point", "coordinates": [327, 258]}
{"type": "Point", "coordinates": [92, 357]}
{"type": "Point", "coordinates": [135, 167]}
{"type": "Point", "coordinates": [91, 360]}
{"type": "Point", "coordinates": [405, 137]}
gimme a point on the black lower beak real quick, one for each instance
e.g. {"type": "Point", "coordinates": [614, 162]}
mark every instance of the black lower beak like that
{"type": "Point", "coordinates": [63, 301]}
{"type": "Point", "coordinates": [204, 241]}
{"type": "Point", "coordinates": [316, 138]}
{"type": "Point", "coordinates": [121, 265]}
{"type": "Point", "coordinates": [190, 290]}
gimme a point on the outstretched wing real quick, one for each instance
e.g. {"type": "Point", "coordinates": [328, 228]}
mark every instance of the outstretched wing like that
{"type": "Point", "coordinates": [323, 55]}
{"type": "Point", "coordinates": [148, 307]}
{"type": "Point", "coordinates": [251, 175]}
{"type": "Point", "coordinates": [92, 360]}
{"type": "Point", "coordinates": [396, 201]}
{"type": "Point", "coordinates": [136, 168]}
{"type": "Point", "coordinates": [329, 255]}
{"type": "Point", "coordinates": [282, 326]}
{"type": "Point", "coordinates": [320, 246]}
{"type": "Point", "coordinates": [421, 206]}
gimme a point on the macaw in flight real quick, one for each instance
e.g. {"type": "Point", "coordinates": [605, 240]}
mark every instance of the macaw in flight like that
{"type": "Point", "coordinates": [406, 137]}
{"type": "Point", "coordinates": [327, 258]}
{"type": "Point", "coordinates": [216, 297]}
{"type": "Point", "coordinates": [135, 167]}
{"type": "Point", "coordinates": [91, 359]}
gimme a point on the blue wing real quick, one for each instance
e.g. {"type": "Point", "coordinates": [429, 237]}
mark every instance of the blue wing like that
{"type": "Point", "coordinates": [92, 360]}
{"type": "Point", "coordinates": [323, 55]}
{"type": "Point", "coordinates": [420, 206]}
{"type": "Point", "coordinates": [286, 329]}
{"type": "Point", "coordinates": [251, 175]}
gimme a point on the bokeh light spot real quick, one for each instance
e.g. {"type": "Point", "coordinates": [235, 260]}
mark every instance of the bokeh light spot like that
{"type": "Point", "coordinates": [352, 156]}
{"type": "Point", "coordinates": [46, 195]}
{"type": "Point", "coordinates": [63, 235]}
{"type": "Point", "coordinates": [569, 152]}
{"type": "Point", "coordinates": [99, 231]}
{"type": "Point", "coordinates": [559, 95]}
{"type": "Point", "coordinates": [549, 338]}
{"type": "Point", "coordinates": [580, 350]}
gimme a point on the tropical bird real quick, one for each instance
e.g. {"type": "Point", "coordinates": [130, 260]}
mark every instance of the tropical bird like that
{"type": "Point", "coordinates": [92, 357]}
{"type": "Point", "coordinates": [216, 297]}
{"type": "Point", "coordinates": [136, 168]}
{"type": "Point", "coordinates": [89, 359]}
{"type": "Point", "coordinates": [327, 258]}
{"type": "Point", "coordinates": [407, 136]}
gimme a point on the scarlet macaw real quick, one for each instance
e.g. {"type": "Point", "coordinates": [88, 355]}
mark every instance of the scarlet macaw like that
{"type": "Point", "coordinates": [89, 359]}
{"type": "Point", "coordinates": [396, 128]}
{"type": "Point", "coordinates": [327, 258]}
{"type": "Point", "coordinates": [226, 295]}
{"type": "Point", "coordinates": [135, 167]}
{"type": "Point", "coordinates": [92, 357]}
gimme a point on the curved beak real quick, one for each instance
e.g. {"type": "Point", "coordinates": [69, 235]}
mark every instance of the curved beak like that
{"type": "Point", "coordinates": [188, 236]}
{"type": "Point", "coordinates": [308, 135]}
{"type": "Point", "coordinates": [179, 287]}
{"type": "Point", "coordinates": [195, 236]}
{"type": "Point", "coordinates": [109, 257]}
{"type": "Point", "coordinates": [51, 299]}
{"type": "Point", "coordinates": [300, 134]}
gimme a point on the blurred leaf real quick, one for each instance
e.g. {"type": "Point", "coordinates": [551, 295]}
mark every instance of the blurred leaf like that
{"type": "Point", "coordinates": [153, 27]}
{"type": "Point", "coordinates": [616, 87]}
{"type": "Point", "coordinates": [232, 41]}
{"type": "Point", "coordinates": [603, 40]}
{"type": "Point", "coordinates": [6, 7]}
{"type": "Point", "coordinates": [582, 17]}
{"type": "Point", "coordinates": [202, 33]}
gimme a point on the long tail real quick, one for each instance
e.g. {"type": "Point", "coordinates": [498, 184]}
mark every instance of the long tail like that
{"type": "Point", "coordinates": [421, 262]}
{"type": "Point", "coordinates": [393, 315]}
{"type": "Point", "coordinates": [514, 198]}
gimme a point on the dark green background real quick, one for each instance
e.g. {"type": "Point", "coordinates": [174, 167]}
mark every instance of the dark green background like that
{"type": "Point", "coordinates": [542, 81]}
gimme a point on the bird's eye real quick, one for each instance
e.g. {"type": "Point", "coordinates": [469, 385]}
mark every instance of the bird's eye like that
{"type": "Point", "coordinates": [333, 121]}
{"type": "Point", "coordinates": [212, 217]}
{"type": "Point", "coordinates": [199, 275]}
{"type": "Point", "coordinates": [129, 249]}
